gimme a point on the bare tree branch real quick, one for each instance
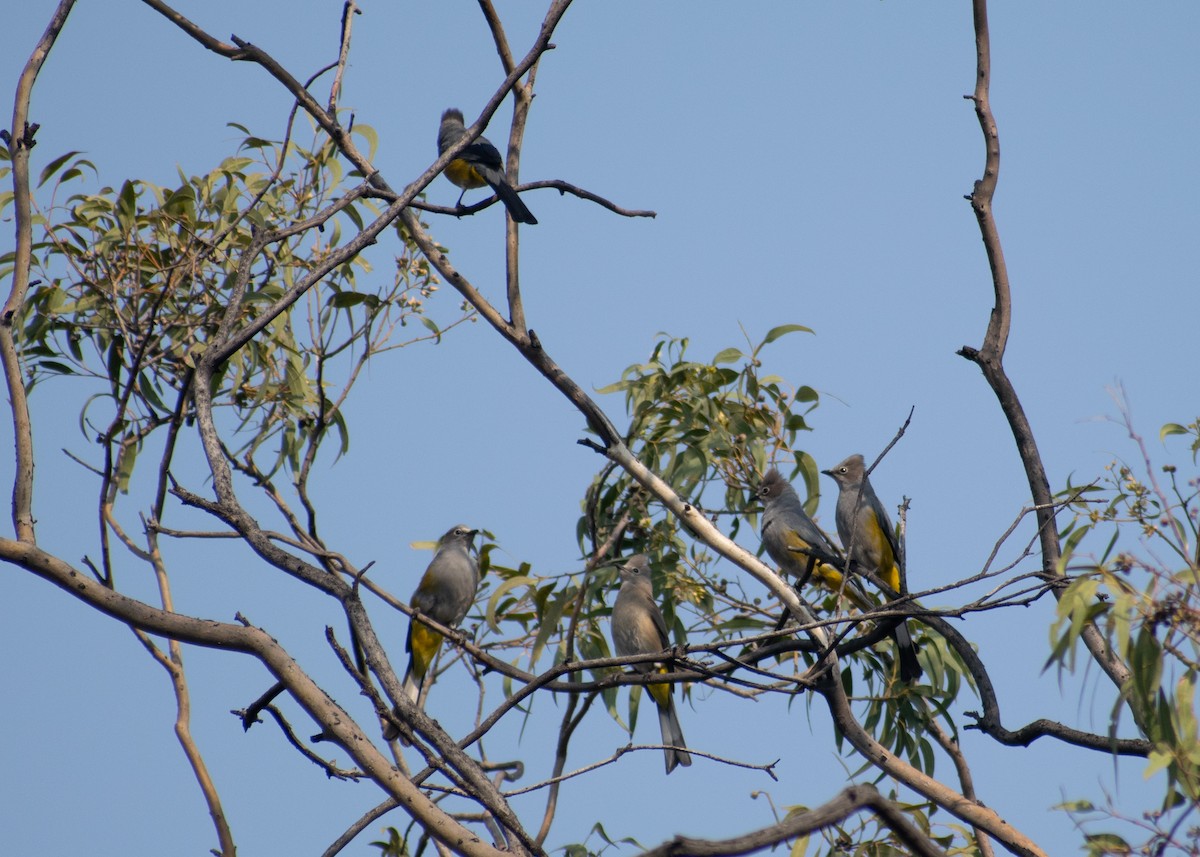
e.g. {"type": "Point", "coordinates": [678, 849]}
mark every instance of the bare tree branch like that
{"type": "Point", "coordinates": [338, 724]}
{"type": "Point", "coordinates": [966, 780]}
{"type": "Point", "coordinates": [956, 804]}
{"type": "Point", "coordinates": [850, 801]}
{"type": "Point", "coordinates": [20, 141]}
{"type": "Point", "coordinates": [990, 357]}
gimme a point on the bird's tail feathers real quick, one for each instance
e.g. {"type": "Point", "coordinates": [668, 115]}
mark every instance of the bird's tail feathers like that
{"type": "Point", "coordinates": [906, 651]}
{"type": "Point", "coordinates": [512, 201]}
{"type": "Point", "coordinates": [672, 736]}
{"type": "Point", "coordinates": [412, 687]}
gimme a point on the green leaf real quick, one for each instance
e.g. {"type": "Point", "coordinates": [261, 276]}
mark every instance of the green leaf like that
{"type": "Point", "coordinates": [55, 366]}
{"type": "Point", "coordinates": [352, 212]}
{"type": "Point", "coordinates": [127, 204]}
{"type": "Point", "coordinates": [342, 300]}
{"type": "Point", "coordinates": [372, 138]}
{"type": "Point", "coordinates": [1075, 806]}
{"type": "Point", "coordinates": [432, 325]}
{"type": "Point", "coordinates": [127, 459]}
{"type": "Point", "coordinates": [1107, 844]}
{"type": "Point", "coordinates": [729, 355]}
{"type": "Point", "coordinates": [1157, 761]}
{"type": "Point", "coordinates": [782, 330]}
{"type": "Point", "coordinates": [491, 616]}
{"type": "Point", "coordinates": [1169, 429]}
{"type": "Point", "coordinates": [800, 846]}
{"type": "Point", "coordinates": [53, 167]}
{"type": "Point", "coordinates": [236, 165]}
{"type": "Point", "coordinates": [149, 393]}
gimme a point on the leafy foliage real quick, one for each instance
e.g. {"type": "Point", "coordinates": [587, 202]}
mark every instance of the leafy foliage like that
{"type": "Point", "coordinates": [136, 281]}
{"type": "Point", "coordinates": [1142, 591]}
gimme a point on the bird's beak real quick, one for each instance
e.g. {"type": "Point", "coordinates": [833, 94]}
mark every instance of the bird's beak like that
{"type": "Point", "coordinates": [827, 472]}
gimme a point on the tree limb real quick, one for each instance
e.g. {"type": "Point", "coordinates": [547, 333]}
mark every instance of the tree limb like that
{"type": "Point", "coordinates": [20, 141]}
{"type": "Point", "coordinates": [990, 357]}
{"type": "Point", "coordinates": [850, 801]}
{"type": "Point", "coordinates": [337, 723]}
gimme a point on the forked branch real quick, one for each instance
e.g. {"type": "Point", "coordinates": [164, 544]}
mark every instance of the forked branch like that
{"type": "Point", "coordinates": [990, 356]}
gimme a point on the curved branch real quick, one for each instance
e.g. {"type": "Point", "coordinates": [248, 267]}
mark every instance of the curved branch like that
{"type": "Point", "coordinates": [234, 515]}
{"type": "Point", "coordinates": [575, 190]}
{"type": "Point", "coordinates": [20, 141]}
{"type": "Point", "coordinates": [337, 723]}
{"type": "Point", "coordinates": [570, 722]}
{"type": "Point", "coordinates": [523, 100]}
{"type": "Point", "coordinates": [360, 824]}
{"type": "Point", "coordinates": [989, 721]}
{"type": "Point", "coordinates": [556, 184]}
{"type": "Point", "coordinates": [172, 662]}
{"type": "Point", "coordinates": [1029, 733]}
{"type": "Point", "coordinates": [990, 357]}
{"type": "Point", "coordinates": [850, 801]}
{"type": "Point", "coordinates": [449, 754]}
{"type": "Point", "coordinates": [880, 757]}
{"type": "Point", "coordinates": [951, 747]}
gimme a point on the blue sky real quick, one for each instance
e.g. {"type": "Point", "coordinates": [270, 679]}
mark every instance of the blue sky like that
{"type": "Point", "coordinates": [808, 164]}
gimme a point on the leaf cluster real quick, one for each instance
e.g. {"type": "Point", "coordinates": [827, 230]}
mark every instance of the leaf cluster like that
{"type": "Point", "coordinates": [136, 281]}
{"type": "Point", "coordinates": [1142, 590]}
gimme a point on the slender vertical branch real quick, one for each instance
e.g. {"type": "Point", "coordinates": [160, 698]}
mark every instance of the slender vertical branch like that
{"type": "Point", "coordinates": [523, 98]}
{"type": "Point", "coordinates": [990, 356]}
{"type": "Point", "coordinates": [173, 664]}
{"type": "Point", "coordinates": [985, 189]}
{"type": "Point", "coordinates": [570, 720]}
{"type": "Point", "coordinates": [497, 29]}
{"type": "Point", "coordinates": [335, 90]}
{"type": "Point", "coordinates": [965, 778]}
{"type": "Point", "coordinates": [20, 144]}
{"type": "Point", "coordinates": [20, 140]}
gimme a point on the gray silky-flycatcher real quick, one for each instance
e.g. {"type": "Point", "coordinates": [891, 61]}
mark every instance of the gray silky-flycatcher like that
{"type": "Point", "coordinates": [794, 541]}
{"type": "Point", "coordinates": [445, 594]}
{"type": "Point", "coordinates": [637, 629]}
{"type": "Point", "coordinates": [477, 165]}
{"type": "Point", "coordinates": [866, 532]}
{"type": "Point", "coordinates": [791, 537]}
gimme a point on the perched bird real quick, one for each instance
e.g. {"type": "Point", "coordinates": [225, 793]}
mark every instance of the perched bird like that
{"type": "Point", "coordinates": [797, 545]}
{"type": "Point", "coordinates": [790, 536]}
{"type": "Point", "coordinates": [445, 594]}
{"type": "Point", "coordinates": [638, 628]}
{"type": "Point", "coordinates": [866, 533]}
{"type": "Point", "coordinates": [477, 165]}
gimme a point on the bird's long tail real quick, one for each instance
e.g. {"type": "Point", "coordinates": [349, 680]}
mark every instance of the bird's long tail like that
{"type": "Point", "coordinates": [906, 650]}
{"type": "Point", "coordinates": [512, 201]}
{"type": "Point", "coordinates": [672, 736]}
{"type": "Point", "coordinates": [412, 689]}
